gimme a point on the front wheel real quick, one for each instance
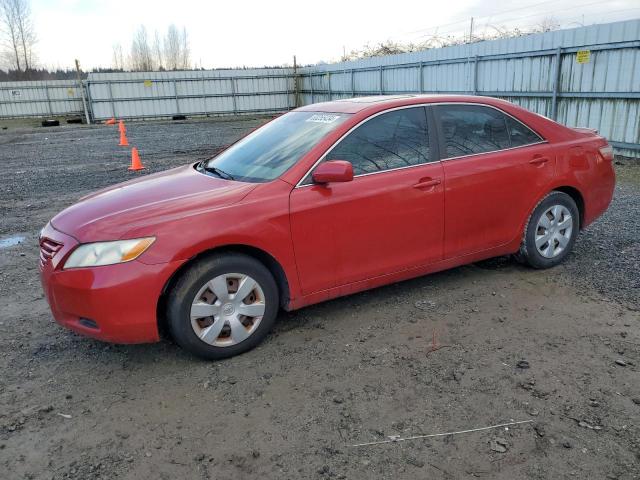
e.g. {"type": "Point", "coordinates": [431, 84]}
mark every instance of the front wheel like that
{"type": "Point", "coordinates": [551, 231]}
{"type": "Point", "coordinates": [222, 306]}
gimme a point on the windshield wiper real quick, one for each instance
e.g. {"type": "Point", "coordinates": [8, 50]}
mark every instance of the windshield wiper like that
{"type": "Point", "coordinates": [216, 171]}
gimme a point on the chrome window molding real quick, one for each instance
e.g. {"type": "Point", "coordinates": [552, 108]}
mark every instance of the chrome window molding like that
{"type": "Point", "coordinates": [300, 183]}
{"type": "Point", "coordinates": [494, 151]}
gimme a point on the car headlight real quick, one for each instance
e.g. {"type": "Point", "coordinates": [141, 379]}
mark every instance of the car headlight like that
{"type": "Point", "coordinates": [108, 253]}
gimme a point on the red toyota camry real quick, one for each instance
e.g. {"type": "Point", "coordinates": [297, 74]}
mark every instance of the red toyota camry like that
{"type": "Point", "coordinates": [326, 200]}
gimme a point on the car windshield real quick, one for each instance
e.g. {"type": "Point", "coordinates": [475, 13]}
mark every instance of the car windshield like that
{"type": "Point", "coordinates": [272, 149]}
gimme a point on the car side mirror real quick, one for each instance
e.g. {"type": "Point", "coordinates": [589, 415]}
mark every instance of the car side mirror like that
{"type": "Point", "coordinates": [333, 171]}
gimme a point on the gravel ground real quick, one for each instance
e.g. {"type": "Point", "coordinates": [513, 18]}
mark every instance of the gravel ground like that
{"type": "Point", "coordinates": [607, 255]}
{"type": "Point", "coordinates": [557, 348]}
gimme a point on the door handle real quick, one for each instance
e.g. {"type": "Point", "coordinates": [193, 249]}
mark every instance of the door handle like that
{"type": "Point", "coordinates": [427, 184]}
{"type": "Point", "coordinates": [538, 161]}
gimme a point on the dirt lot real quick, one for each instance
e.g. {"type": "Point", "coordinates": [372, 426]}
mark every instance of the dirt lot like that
{"type": "Point", "coordinates": [357, 369]}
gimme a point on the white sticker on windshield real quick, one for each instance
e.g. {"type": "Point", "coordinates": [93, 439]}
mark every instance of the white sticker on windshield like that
{"type": "Point", "coordinates": [323, 118]}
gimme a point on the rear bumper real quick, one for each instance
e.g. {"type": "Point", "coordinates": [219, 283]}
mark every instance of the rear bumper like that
{"type": "Point", "coordinates": [115, 303]}
{"type": "Point", "coordinates": [599, 195]}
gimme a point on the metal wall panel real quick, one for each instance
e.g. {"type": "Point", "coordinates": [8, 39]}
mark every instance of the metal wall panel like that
{"type": "Point", "coordinates": [603, 93]}
{"type": "Point", "coordinates": [40, 99]}
{"type": "Point", "coordinates": [366, 81]}
{"type": "Point", "coordinates": [212, 92]}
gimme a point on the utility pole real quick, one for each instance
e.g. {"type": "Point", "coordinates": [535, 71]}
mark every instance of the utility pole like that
{"type": "Point", "coordinates": [471, 31]}
{"type": "Point", "coordinates": [84, 100]}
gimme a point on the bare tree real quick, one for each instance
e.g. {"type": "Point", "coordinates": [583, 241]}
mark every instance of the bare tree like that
{"type": "Point", "coordinates": [118, 57]}
{"type": "Point", "coordinates": [172, 48]}
{"type": "Point", "coordinates": [384, 48]}
{"type": "Point", "coordinates": [548, 24]}
{"type": "Point", "coordinates": [141, 57]}
{"type": "Point", "coordinates": [26, 31]}
{"type": "Point", "coordinates": [185, 50]}
{"type": "Point", "coordinates": [177, 52]}
{"type": "Point", "coordinates": [438, 41]}
{"type": "Point", "coordinates": [18, 33]}
{"type": "Point", "coordinates": [171, 52]}
{"type": "Point", "coordinates": [10, 36]}
{"type": "Point", "coordinates": [157, 51]}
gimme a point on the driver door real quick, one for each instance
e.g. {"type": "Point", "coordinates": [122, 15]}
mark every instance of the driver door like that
{"type": "Point", "coordinates": [388, 219]}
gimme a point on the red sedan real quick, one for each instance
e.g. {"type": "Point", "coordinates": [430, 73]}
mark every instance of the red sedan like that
{"type": "Point", "coordinates": [324, 201]}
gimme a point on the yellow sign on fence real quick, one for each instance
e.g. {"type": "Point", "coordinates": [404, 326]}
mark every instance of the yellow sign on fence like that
{"type": "Point", "coordinates": [583, 56]}
{"type": "Point", "coordinates": [147, 83]}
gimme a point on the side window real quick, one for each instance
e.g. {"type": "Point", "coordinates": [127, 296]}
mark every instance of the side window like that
{"type": "Point", "coordinates": [390, 140]}
{"type": "Point", "coordinates": [521, 135]}
{"type": "Point", "coordinates": [471, 129]}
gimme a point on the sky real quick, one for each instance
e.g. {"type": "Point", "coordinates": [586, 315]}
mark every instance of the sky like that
{"type": "Point", "coordinates": [235, 33]}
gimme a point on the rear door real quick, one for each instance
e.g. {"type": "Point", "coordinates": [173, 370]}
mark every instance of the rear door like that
{"type": "Point", "coordinates": [494, 168]}
{"type": "Point", "coordinates": [389, 218]}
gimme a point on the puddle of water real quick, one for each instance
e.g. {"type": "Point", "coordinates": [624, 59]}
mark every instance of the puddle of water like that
{"type": "Point", "coordinates": [11, 241]}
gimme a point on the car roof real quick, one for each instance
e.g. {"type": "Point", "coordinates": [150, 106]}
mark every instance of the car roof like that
{"type": "Point", "coordinates": [362, 108]}
{"type": "Point", "coordinates": [384, 102]}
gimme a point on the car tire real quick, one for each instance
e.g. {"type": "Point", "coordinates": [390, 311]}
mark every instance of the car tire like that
{"type": "Point", "coordinates": [227, 331]}
{"type": "Point", "coordinates": [550, 232]}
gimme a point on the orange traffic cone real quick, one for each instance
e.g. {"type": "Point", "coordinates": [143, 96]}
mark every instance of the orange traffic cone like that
{"type": "Point", "coordinates": [121, 127]}
{"type": "Point", "coordinates": [124, 142]}
{"type": "Point", "coordinates": [136, 164]}
{"type": "Point", "coordinates": [111, 121]}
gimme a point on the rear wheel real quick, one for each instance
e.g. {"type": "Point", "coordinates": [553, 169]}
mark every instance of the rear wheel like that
{"type": "Point", "coordinates": [551, 231]}
{"type": "Point", "coordinates": [222, 306]}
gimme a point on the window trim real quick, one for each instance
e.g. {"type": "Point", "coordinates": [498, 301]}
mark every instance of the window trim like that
{"type": "Point", "coordinates": [432, 121]}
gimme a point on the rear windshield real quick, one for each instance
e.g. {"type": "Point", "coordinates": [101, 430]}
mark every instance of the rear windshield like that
{"type": "Point", "coordinates": [272, 149]}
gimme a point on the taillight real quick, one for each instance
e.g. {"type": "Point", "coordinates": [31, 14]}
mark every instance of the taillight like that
{"type": "Point", "coordinates": [607, 152]}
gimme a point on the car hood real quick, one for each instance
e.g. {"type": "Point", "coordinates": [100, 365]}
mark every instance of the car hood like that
{"type": "Point", "coordinates": [110, 213]}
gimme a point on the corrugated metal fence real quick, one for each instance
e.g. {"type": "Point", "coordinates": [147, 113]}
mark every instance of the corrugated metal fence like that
{"type": "Point", "coordinates": [40, 99]}
{"type": "Point", "coordinates": [588, 76]}
{"type": "Point", "coordinates": [154, 94]}
{"type": "Point", "coordinates": [212, 92]}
